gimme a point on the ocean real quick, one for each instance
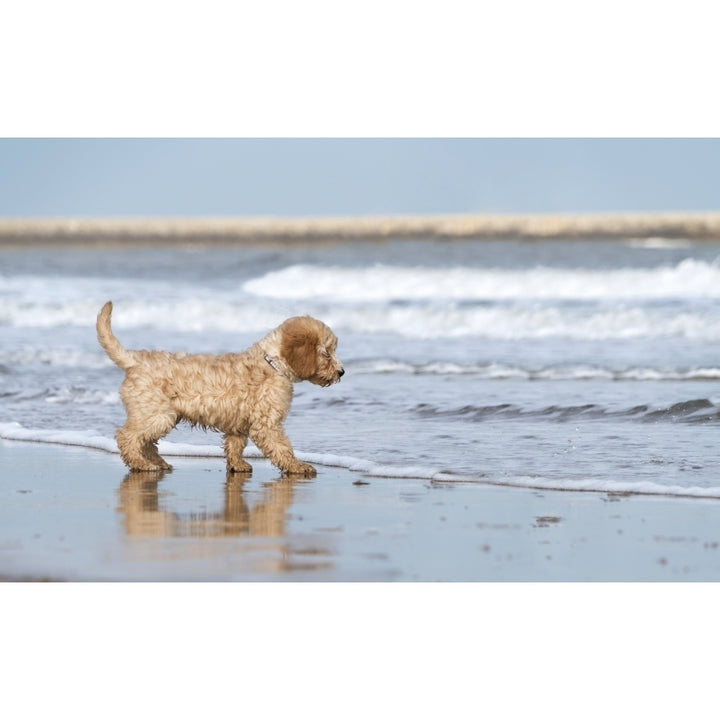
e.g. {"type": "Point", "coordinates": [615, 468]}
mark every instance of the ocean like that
{"type": "Point", "coordinates": [556, 364]}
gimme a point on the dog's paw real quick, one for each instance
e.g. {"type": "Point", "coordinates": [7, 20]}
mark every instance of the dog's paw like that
{"type": "Point", "coordinates": [301, 469]}
{"type": "Point", "coordinates": [240, 467]}
{"type": "Point", "coordinates": [150, 467]}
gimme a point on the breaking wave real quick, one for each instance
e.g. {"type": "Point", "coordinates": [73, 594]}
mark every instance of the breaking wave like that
{"type": "Point", "coordinates": [678, 301]}
{"type": "Point", "coordinates": [690, 411]}
{"type": "Point", "coordinates": [414, 321]}
{"type": "Point", "coordinates": [381, 283]}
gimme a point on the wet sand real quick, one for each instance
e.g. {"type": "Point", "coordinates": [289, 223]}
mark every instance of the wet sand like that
{"type": "Point", "coordinates": [104, 232]}
{"type": "Point", "coordinates": [75, 514]}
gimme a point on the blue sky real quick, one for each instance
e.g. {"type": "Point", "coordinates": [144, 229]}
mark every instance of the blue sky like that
{"type": "Point", "coordinates": [296, 177]}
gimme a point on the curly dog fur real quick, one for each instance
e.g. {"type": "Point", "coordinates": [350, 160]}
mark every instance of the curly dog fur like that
{"type": "Point", "coordinates": [243, 395]}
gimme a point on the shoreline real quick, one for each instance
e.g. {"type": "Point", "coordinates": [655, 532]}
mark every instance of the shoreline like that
{"type": "Point", "coordinates": [106, 232]}
{"type": "Point", "coordinates": [363, 468]}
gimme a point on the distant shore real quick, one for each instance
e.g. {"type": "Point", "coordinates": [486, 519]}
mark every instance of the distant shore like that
{"type": "Point", "coordinates": [103, 232]}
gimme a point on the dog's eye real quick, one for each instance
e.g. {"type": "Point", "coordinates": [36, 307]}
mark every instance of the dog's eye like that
{"type": "Point", "coordinates": [324, 352]}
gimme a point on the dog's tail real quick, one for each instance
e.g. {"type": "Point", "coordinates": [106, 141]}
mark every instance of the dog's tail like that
{"type": "Point", "coordinates": [116, 352]}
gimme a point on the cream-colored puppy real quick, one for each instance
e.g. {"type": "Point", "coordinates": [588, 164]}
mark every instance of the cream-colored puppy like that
{"type": "Point", "coordinates": [242, 395]}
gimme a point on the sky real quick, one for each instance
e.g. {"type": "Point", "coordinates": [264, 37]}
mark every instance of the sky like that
{"type": "Point", "coordinates": [329, 177]}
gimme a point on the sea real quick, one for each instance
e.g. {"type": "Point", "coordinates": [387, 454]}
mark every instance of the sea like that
{"type": "Point", "coordinates": [560, 364]}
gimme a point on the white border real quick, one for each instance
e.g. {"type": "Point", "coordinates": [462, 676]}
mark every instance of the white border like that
{"type": "Point", "coordinates": [390, 68]}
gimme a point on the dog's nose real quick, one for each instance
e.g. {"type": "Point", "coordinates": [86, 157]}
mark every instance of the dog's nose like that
{"type": "Point", "coordinates": [341, 372]}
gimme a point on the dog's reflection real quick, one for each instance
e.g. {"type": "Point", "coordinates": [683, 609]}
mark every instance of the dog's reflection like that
{"type": "Point", "coordinates": [139, 502]}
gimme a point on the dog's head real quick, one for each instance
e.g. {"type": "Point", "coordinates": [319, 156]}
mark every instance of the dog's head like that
{"type": "Point", "coordinates": [308, 347]}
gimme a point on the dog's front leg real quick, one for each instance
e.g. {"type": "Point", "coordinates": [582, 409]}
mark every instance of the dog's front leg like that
{"type": "Point", "coordinates": [234, 448]}
{"type": "Point", "coordinates": [274, 444]}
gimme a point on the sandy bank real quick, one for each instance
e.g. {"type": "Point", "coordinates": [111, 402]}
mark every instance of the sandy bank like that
{"type": "Point", "coordinates": [76, 514]}
{"type": "Point", "coordinates": [103, 232]}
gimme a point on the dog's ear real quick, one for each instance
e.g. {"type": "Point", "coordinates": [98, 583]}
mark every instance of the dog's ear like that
{"type": "Point", "coordinates": [299, 346]}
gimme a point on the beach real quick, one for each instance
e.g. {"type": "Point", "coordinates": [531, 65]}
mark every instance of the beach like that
{"type": "Point", "coordinates": [511, 410]}
{"type": "Point", "coordinates": [76, 514]}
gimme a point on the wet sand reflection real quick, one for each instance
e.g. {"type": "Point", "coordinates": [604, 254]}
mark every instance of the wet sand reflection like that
{"type": "Point", "coordinates": [146, 517]}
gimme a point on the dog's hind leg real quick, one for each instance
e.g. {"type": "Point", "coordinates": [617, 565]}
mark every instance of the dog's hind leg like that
{"type": "Point", "coordinates": [150, 451]}
{"type": "Point", "coordinates": [149, 418]}
{"type": "Point", "coordinates": [138, 442]}
{"type": "Point", "coordinates": [234, 448]}
{"type": "Point", "coordinates": [139, 452]}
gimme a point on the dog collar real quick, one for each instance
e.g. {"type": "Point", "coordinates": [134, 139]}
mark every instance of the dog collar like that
{"type": "Point", "coordinates": [275, 365]}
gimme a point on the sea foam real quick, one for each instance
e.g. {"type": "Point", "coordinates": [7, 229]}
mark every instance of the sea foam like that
{"type": "Point", "coordinates": [16, 432]}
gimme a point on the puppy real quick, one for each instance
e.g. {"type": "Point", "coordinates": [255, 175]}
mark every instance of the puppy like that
{"type": "Point", "coordinates": [243, 395]}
